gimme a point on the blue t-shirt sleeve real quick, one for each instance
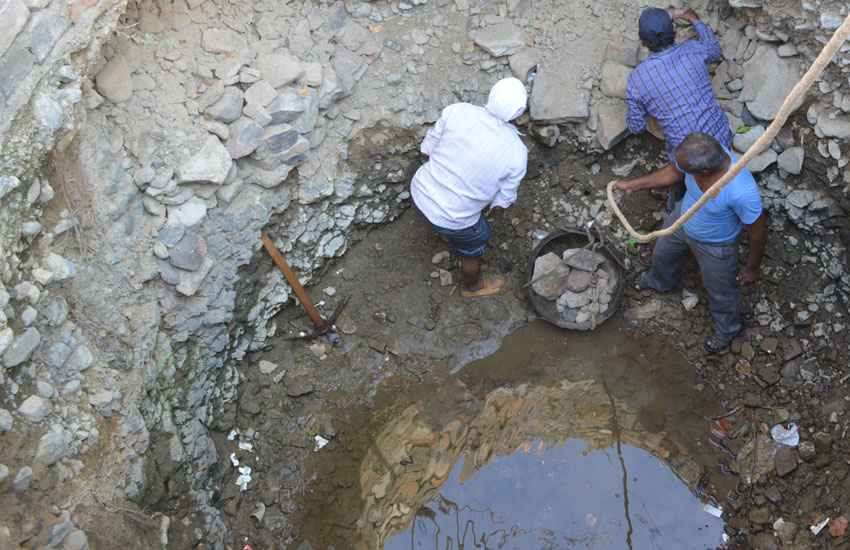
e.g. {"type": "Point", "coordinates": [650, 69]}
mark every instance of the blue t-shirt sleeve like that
{"type": "Point", "coordinates": [746, 202]}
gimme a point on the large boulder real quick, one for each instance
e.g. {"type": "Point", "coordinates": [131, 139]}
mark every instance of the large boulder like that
{"type": "Point", "coordinates": [768, 79]}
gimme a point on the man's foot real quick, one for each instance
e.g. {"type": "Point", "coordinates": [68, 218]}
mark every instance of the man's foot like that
{"type": "Point", "coordinates": [644, 255]}
{"type": "Point", "coordinates": [489, 285]}
{"type": "Point", "coordinates": [639, 282]}
{"type": "Point", "coordinates": [718, 341]}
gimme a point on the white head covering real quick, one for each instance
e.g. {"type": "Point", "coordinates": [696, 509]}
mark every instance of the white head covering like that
{"type": "Point", "coordinates": [507, 99]}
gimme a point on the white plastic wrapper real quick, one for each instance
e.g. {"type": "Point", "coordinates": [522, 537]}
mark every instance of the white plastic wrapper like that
{"type": "Point", "coordinates": [818, 527]}
{"type": "Point", "coordinates": [245, 446]}
{"type": "Point", "coordinates": [789, 436]}
{"type": "Point", "coordinates": [245, 478]}
{"type": "Point", "coordinates": [233, 460]}
{"type": "Point", "coordinates": [320, 442]}
{"type": "Point", "coordinates": [713, 510]}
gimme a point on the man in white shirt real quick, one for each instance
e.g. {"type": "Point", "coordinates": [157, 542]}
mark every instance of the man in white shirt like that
{"type": "Point", "coordinates": [476, 160]}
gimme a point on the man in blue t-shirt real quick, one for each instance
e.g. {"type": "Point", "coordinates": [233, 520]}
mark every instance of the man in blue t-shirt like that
{"type": "Point", "coordinates": [712, 234]}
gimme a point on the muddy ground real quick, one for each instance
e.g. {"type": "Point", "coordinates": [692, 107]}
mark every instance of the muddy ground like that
{"type": "Point", "coordinates": [402, 324]}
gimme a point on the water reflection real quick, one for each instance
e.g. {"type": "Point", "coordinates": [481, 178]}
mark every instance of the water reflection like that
{"type": "Point", "coordinates": [594, 406]}
{"type": "Point", "coordinates": [564, 498]}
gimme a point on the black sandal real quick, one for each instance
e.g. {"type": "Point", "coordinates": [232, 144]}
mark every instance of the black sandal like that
{"type": "Point", "coordinates": [639, 282]}
{"type": "Point", "coordinates": [718, 342]}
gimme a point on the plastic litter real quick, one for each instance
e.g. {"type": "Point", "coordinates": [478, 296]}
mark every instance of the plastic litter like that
{"type": "Point", "coordinates": [320, 442]}
{"type": "Point", "coordinates": [245, 478]}
{"type": "Point", "coordinates": [713, 510]}
{"type": "Point", "coordinates": [232, 435]}
{"type": "Point", "coordinates": [789, 436]}
{"type": "Point", "coordinates": [233, 460]}
{"type": "Point", "coordinates": [819, 526]}
{"type": "Point", "coordinates": [245, 446]}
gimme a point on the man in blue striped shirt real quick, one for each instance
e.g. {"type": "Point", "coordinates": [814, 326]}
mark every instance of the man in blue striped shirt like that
{"type": "Point", "coordinates": [674, 86]}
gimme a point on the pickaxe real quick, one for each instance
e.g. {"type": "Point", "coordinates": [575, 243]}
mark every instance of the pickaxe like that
{"type": "Point", "coordinates": [321, 326]}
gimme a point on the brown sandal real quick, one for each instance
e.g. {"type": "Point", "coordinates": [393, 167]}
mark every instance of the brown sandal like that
{"type": "Point", "coordinates": [492, 285]}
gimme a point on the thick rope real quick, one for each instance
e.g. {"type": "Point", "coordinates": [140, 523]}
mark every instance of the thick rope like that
{"type": "Point", "coordinates": [788, 105]}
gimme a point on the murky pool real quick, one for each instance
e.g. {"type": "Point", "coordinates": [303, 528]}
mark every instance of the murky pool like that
{"type": "Point", "coordinates": [558, 440]}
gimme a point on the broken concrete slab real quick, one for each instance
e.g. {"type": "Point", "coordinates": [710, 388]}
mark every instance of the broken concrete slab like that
{"type": "Point", "coordinates": [556, 96]}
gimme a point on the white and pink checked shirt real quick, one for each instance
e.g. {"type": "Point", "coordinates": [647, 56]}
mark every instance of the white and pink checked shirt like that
{"type": "Point", "coordinates": [475, 160]}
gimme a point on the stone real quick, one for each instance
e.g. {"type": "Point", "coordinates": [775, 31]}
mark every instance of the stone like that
{"type": "Point", "coordinates": [767, 81]}
{"type": "Point", "coordinates": [625, 54]}
{"type": "Point", "coordinates": [578, 280]}
{"type": "Point", "coordinates": [8, 183]}
{"type": "Point", "coordinates": [763, 540]}
{"type": "Point", "coordinates": [244, 137]}
{"type": "Point", "coordinates": [5, 420]}
{"type": "Point", "coordinates": [613, 79]}
{"type": "Point", "coordinates": [546, 134]}
{"type": "Point", "coordinates": [279, 69]}
{"type": "Point", "coordinates": [799, 198]}
{"type": "Point", "coordinates": [77, 540]}
{"type": "Point", "coordinates": [44, 389]}
{"type": "Point", "coordinates": [523, 62]}
{"type": "Point", "coordinates": [190, 214]}
{"type": "Point", "coordinates": [550, 276]}
{"type": "Point", "coordinates": [286, 106]}
{"type": "Point", "coordinates": [645, 311]}
{"type": "Point", "coordinates": [280, 144]}
{"type": "Point", "coordinates": [34, 408]}
{"type": "Point", "coordinates": [21, 480]}
{"type": "Point", "coordinates": [14, 14]}
{"type": "Point", "coordinates": [210, 164]}
{"type": "Point", "coordinates": [500, 39]}
{"type": "Point", "coordinates": [4, 475]}
{"type": "Point", "coordinates": [573, 300]}
{"type": "Point", "coordinates": [170, 234]}
{"type": "Point", "coordinates": [785, 461]}
{"type": "Point", "coordinates": [267, 367]}
{"type": "Point", "coordinates": [791, 160]}
{"type": "Point", "coordinates": [21, 348]}
{"type": "Point", "coordinates": [743, 141]}
{"type": "Point", "coordinates": [556, 96]}
{"type": "Point", "coordinates": [261, 93]}
{"type": "Point", "coordinates": [582, 258]}
{"type": "Point", "coordinates": [47, 112]}
{"type": "Point", "coordinates": [114, 81]}
{"type": "Point", "coordinates": [189, 252]}
{"type": "Point", "coordinates": [218, 40]}
{"type": "Point", "coordinates": [807, 451]}
{"type": "Point", "coordinates": [190, 281]}
{"type": "Point", "coordinates": [761, 161]}
{"type": "Point", "coordinates": [823, 442]}
{"type": "Point", "coordinates": [6, 338]}
{"type": "Point", "coordinates": [62, 269]}
{"type": "Point", "coordinates": [786, 50]}
{"type": "Point", "coordinates": [335, 86]}
{"type": "Point", "coordinates": [760, 514]}
{"type": "Point", "coordinates": [258, 113]}
{"type": "Point", "coordinates": [228, 108]}
{"type": "Point", "coordinates": [51, 447]}
{"type": "Point", "coordinates": [101, 399]}
{"type": "Point", "coordinates": [611, 127]}
{"type": "Point", "coordinates": [838, 127]}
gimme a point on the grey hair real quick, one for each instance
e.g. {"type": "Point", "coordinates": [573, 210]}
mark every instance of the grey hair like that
{"type": "Point", "coordinates": [701, 151]}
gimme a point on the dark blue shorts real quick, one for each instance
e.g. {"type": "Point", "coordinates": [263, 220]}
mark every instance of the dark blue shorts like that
{"type": "Point", "coordinates": [469, 242]}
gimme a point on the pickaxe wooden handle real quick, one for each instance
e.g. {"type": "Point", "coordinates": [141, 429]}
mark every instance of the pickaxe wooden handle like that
{"type": "Point", "coordinates": [306, 303]}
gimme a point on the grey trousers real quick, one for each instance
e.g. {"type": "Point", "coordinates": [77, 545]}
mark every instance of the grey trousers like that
{"type": "Point", "coordinates": [718, 264]}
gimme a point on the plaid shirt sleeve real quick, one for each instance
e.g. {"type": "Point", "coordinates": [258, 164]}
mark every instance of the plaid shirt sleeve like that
{"type": "Point", "coordinates": [709, 43]}
{"type": "Point", "coordinates": [636, 118]}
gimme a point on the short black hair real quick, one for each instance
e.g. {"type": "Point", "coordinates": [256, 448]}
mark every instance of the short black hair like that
{"type": "Point", "coordinates": [660, 44]}
{"type": "Point", "coordinates": [701, 151]}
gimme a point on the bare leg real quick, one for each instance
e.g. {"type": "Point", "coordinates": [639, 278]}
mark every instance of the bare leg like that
{"type": "Point", "coordinates": [471, 268]}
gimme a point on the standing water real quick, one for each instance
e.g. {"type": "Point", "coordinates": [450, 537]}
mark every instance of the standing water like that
{"type": "Point", "coordinates": [560, 439]}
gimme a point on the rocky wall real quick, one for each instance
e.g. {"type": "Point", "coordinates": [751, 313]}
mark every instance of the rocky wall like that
{"type": "Point", "coordinates": [132, 298]}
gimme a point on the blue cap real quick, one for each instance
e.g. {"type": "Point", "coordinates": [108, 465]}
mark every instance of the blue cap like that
{"type": "Point", "coordinates": [655, 24]}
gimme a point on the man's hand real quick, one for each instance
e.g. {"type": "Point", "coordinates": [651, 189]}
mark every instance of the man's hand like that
{"type": "Point", "coordinates": [690, 16]}
{"type": "Point", "coordinates": [748, 275]}
{"type": "Point", "coordinates": [623, 185]}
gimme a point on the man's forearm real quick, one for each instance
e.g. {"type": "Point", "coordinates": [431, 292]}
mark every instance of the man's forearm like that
{"type": "Point", "coordinates": [660, 178]}
{"type": "Point", "coordinates": [758, 242]}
